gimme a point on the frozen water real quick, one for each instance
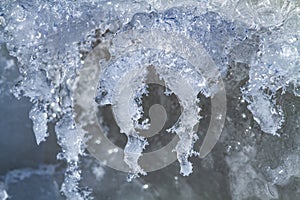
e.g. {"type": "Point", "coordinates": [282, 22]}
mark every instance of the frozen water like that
{"type": "Point", "coordinates": [3, 193]}
{"type": "Point", "coordinates": [72, 144]}
{"type": "Point", "coordinates": [245, 181]}
{"type": "Point", "coordinates": [50, 40]}
{"type": "Point", "coordinates": [120, 71]}
{"type": "Point", "coordinates": [33, 183]}
{"type": "Point", "coordinates": [39, 120]}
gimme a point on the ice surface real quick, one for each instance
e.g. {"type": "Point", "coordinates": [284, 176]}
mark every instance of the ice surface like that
{"type": "Point", "coordinates": [29, 183]}
{"type": "Point", "coordinates": [245, 181]}
{"type": "Point", "coordinates": [51, 39]}
{"type": "Point", "coordinates": [39, 120]}
{"type": "Point", "coordinates": [3, 193]}
{"type": "Point", "coordinates": [72, 143]}
{"type": "Point", "coordinates": [114, 75]}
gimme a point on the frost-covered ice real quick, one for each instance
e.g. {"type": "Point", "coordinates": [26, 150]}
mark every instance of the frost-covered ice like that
{"type": "Point", "coordinates": [39, 119]}
{"type": "Point", "coordinates": [52, 39]}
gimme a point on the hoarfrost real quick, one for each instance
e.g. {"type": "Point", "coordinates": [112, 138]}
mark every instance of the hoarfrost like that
{"type": "Point", "coordinates": [275, 68]}
{"type": "Point", "coordinates": [49, 39]}
{"type": "Point", "coordinates": [126, 108]}
{"type": "Point", "coordinates": [71, 141]}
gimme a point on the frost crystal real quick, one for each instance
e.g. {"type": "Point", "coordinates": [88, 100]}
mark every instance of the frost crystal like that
{"type": "Point", "coordinates": [120, 73]}
{"type": "Point", "coordinates": [39, 119]}
{"type": "Point", "coordinates": [51, 41]}
{"type": "Point", "coordinates": [71, 142]}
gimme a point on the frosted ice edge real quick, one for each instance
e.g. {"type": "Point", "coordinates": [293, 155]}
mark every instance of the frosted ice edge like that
{"type": "Point", "coordinates": [269, 123]}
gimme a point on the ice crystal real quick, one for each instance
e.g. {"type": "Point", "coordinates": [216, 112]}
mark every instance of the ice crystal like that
{"type": "Point", "coordinates": [35, 180]}
{"type": "Point", "coordinates": [51, 40]}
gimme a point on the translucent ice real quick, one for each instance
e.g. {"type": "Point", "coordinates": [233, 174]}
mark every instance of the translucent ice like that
{"type": "Point", "coordinates": [39, 120]}
{"type": "Point", "coordinates": [72, 143]}
{"type": "Point", "coordinates": [3, 193]}
{"type": "Point", "coordinates": [50, 40]}
{"type": "Point", "coordinates": [29, 183]}
{"type": "Point", "coordinates": [129, 73]}
{"type": "Point", "coordinates": [246, 182]}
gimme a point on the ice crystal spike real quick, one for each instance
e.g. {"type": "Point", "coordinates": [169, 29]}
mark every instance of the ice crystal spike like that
{"type": "Point", "coordinates": [39, 120]}
{"type": "Point", "coordinates": [123, 77]}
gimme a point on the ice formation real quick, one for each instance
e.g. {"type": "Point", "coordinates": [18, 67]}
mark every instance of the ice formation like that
{"type": "Point", "coordinates": [3, 193]}
{"type": "Point", "coordinates": [51, 40]}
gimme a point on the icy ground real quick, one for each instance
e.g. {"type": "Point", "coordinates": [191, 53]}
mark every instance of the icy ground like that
{"type": "Point", "coordinates": [253, 44]}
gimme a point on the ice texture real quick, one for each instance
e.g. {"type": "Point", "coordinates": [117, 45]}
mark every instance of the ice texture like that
{"type": "Point", "coordinates": [40, 38]}
{"type": "Point", "coordinates": [39, 120]}
{"type": "Point", "coordinates": [7, 71]}
{"type": "Point", "coordinates": [174, 21]}
{"type": "Point", "coordinates": [71, 141]}
{"type": "Point", "coordinates": [3, 193]}
{"type": "Point", "coordinates": [30, 183]}
{"type": "Point", "coordinates": [130, 73]}
{"type": "Point", "coordinates": [49, 39]}
{"type": "Point", "coordinates": [245, 181]}
{"type": "Point", "coordinates": [276, 67]}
